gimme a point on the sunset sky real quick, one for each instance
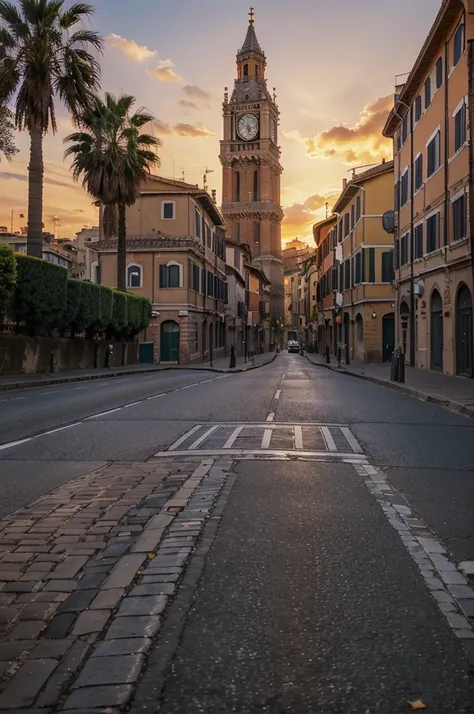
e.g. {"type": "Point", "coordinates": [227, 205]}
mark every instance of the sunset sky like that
{"type": "Point", "coordinates": [333, 65]}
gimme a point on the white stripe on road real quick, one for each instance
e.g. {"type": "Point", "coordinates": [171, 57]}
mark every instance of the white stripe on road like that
{"type": "Point", "coordinates": [327, 436]}
{"type": "Point", "coordinates": [267, 437]}
{"type": "Point", "coordinates": [188, 386]}
{"type": "Point", "coordinates": [14, 443]}
{"type": "Point", "coordinates": [155, 396]}
{"type": "Point", "coordinates": [271, 416]}
{"type": "Point", "coordinates": [110, 411]}
{"type": "Point", "coordinates": [230, 441]}
{"type": "Point", "coordinates": [356, 447]}
{"type": "Point", "coordinates": [60, 428]}
{"type": "Point", "coordinates": [278, 394]}
{"type": "Point", "coordinates": [298, 437]}
{"type": "Point", "coordinates": [203, 438]}
{"type": "Point", "coordinates": [133, 404]}
{"type": "Point", "coordinates": [183, 438]}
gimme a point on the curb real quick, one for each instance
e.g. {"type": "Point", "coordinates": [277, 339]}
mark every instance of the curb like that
{"type": "Point", "coordinates": [110, 375]}
{"type": "Point", "coordinates": [452, 406]}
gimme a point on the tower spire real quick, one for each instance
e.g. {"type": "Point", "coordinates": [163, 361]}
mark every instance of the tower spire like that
{"type": "Point", "coordinates": [251, 44]}
{"type": "Point", "coordinates": [252, 16]}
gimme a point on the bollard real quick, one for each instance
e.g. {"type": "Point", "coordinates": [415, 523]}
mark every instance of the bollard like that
{"type": "Point", "coordinates": [232, 357]}
{"type": "Point", "coordinates": [394, 367]}
{"type": "Point", "coordinates": [339, 356]}
{"type": "Point", "coordinates": [328, 356]}
{"type": "Point", "coordinates": [347, 355]}
{"type": "Point", "coordinates": [401, 368]}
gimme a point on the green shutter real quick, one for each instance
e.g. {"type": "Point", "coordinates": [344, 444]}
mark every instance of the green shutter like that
{"type": "Point", "coordinates": [362, 268]}
{"type": "Point", "coordinates": [163, 276]}
{"type": "Point", "coordinates": [371, 265]}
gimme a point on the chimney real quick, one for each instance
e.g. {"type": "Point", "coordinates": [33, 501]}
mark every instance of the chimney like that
{"type": "Point", "coordinates": [344, 183]}
{"type": "Point", "coordinates": [383, 160]}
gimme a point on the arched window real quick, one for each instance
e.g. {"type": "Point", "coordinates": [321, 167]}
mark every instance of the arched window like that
{"type": "Point", "coordinates": [171, 275]}
{"type": "Point", "coordinates": [134, 275]}
{"type": "Point", "coordinates": [359, 328]}
{"type": "Point", "coordinates": [237, 186]}
{"type": "Point", "coordinates": [95, 271]}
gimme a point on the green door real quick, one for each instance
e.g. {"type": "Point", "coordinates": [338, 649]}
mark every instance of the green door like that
{"type": "Point", "coordinates": [169, 343]}
{"type": "Point", "coordinates": [388, 337]}
{"type": "Point", "coordinates": [146, 352]}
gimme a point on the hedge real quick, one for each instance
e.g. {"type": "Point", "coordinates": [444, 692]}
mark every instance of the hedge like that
{"type": "Point", "coordinates": [40, 294]}
{"type": "Point", "coordinates": [45, 300]}
{"type": "Point", "coordinates": [8, 277]}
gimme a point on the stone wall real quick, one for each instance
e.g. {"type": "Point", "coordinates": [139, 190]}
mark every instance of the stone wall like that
{"type": "Point", "coordinates": [30, 355]}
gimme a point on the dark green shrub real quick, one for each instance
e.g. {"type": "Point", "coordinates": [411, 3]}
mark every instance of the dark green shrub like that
{"type": "Point", "coordinates": [119, 313]}
{"type": "Point", "coordinates": [39, 299]}
{"type": "Point", "coordinates": [90, 313]}
{"type": "Point", "coordinates": [135, 311]}
{"type": "Point", "coordinates": [73, 305]}
{"type": "Point", "coordinates": [8, 276]}
{"type": "Point", "coordinates": [146, 313]}
{"type": "Point", "coordinates": [106, 306]}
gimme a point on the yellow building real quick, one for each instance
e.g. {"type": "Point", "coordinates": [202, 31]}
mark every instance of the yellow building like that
{"type": "Point", "coordinates": [325, 239]}
{"type": "Point", "coordinates": [433, 179]}
{"type": "Point", "coordinates": [362, 276]}
{"type": "Point", "coordinates": [175, 258]}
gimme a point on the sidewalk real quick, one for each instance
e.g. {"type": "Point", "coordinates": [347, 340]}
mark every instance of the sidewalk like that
{"type": "Point", "coordinates": [454, 393]}
{"type": "Point", "coordinates": [24, 381]}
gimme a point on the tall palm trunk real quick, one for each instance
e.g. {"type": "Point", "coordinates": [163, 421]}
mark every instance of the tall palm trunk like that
{"type": "Point", "coordinates": [122, 249]}
{"type": "Point", "coordinates": [34, 243]}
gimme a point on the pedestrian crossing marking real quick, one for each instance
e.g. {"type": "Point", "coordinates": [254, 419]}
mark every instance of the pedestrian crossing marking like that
{"type": "Point", "coordinates": [268, 440]}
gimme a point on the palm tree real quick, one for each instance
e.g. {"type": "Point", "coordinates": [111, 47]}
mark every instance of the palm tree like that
{"type": "Point", "coordinates": [112, 158]}
{"type": "Point", "coordinates": [7, 143]}
{"type": "Point", "coordinates": [43, 57]}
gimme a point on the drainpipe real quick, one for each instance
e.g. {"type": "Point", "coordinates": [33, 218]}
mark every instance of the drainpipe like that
{"type": "Point", "coordinates": [470, 70]}
{"type": "Point", "coordinates": [412, 241]}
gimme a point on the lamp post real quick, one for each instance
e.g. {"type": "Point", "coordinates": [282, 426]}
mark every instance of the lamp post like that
{"type": "Point", "coordinates": [20, 215]}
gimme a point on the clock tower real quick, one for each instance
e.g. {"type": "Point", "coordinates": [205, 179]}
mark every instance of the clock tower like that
{"type": "Point", "coordinates": [250, 158]}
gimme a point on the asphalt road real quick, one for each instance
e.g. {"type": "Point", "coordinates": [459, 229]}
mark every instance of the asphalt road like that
{"type": "Point", "coordinates": [309, 602]}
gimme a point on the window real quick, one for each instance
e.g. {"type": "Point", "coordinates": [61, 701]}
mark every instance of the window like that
{"type": "Point", "coordinates": [396, 254]}
{"type": "Point", "coordinates": [203, 281]}
{"type": "Point", "coordinates": [358, 268]}
{"type": "Point", "coordinates": [257, 71]}
{"type": "Point", "coordinates": [387, 266]}
{"type": "Point", "coordinates": [352, 216]}
{"type": "Point", "coordinates": [346, 225]}
{"type": "Point", "coordinates": [341, 230]}
{"type": "Point", "coordinates": [434, 154]}
{"type": "Point", "coordinates": [347, 275]}
{"type": "Point", "coordinates": [427, 92]}
{"type": "Point", "coordinates": [236, 231]}
{"type": "Point", "coordinates": [358, 208]}
{"type": "Point", "coordinates": [404, 187]}
{"type": "Point", "coordinates": [439, 72]}
{"type": "Point", "coordinates": [405, 129]}
{"type": "Point", "coordinates": [341, 277]}
{"type": "Point", "coordinates": [208, 233]}
{"type": "Point", "coordinates": [255, 186]}
{"type": "Point", "coordinates": [397, 196]}
{"type": "Point", "coordinates": [371, 265]}
{"type": "Point", "coordinates": [432, 233]}
{"type": "Point", "coordinates": [418, 171]}
{"type": "Point", "coordinates": [167, 210]}
{"type": "Point", "coordinates": [195, 277]}
{"type": "Point", "coordinates": [237, 186]}
{"type": "Point", "coordinates": [459, 218]}
{"type": "Point", "coordinates": [460, 127]}
{"type": "Point", "coordinates": [458, 45]}
{"type": "Point", "coordinates": [210, 284]}
{"type": "Point", "coordinates": [246, 70]}
{"type": "Point", "coordinates": [359, 328]}
{"type": "Point", "coordinates": [197, 223]}
{"type": "Point", "coordinates": [404, 242]}
{"type": "Point", "coordinates": [170, 275]}
{"type": "Point", "coordinates": [418, 108]}
{"type": "Point", "coordinates": [95, 268]}
{"type": "Point", "coordinates": [419, 241]}
{"type": "Point", "coordinates": [134, 275]}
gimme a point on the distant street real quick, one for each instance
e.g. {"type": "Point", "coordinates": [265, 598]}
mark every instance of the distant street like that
{"type": "Point", "coordinates": [315, 513]}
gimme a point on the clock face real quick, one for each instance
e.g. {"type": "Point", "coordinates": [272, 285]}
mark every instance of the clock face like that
{"type": "Point", "coordinates": [247, 127]}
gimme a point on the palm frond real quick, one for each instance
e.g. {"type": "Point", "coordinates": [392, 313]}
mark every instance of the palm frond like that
{"type": "Point", "coordinates": [9, 14]}
{"type": "Point", "coordinates": [86, 37]}
{"type": "Point", "coordinates": [74, 14]}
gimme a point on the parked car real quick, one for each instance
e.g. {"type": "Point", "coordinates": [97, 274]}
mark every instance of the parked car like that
{"type": "Point", "coordinates": [293, 346]}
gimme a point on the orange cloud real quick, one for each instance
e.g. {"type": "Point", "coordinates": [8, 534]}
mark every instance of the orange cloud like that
{"type": "Point", "coordinates": [130, 48]}
{"type": "Point", "coordinates": [164, 72]}
{"type": "Point", "coordinates": [182, 129]}
{"type": "Point", "coordinates": [299, 217]}
{"type": "Point", "coordinates": [362, 143]}
{"type": "Point", "coordinates": [192, 90]}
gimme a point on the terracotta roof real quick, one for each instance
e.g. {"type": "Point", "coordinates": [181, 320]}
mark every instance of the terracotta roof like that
{"type": "Point", "coordinates": [447, 14]}
{"type": "Point", "coordinates": [202, 196]}
{"type": "Point", "coordinates": [151, 242]}
{"type": "Point", "coordinates": [251, 44]}
{"type": "Point", "coordinates": [353, 186]}
{"type": "Point", "coordinates": [173, 182]}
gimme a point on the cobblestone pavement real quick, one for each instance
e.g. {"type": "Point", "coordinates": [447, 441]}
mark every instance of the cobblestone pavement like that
{"type": "Point", "coordinates": [85, 575]}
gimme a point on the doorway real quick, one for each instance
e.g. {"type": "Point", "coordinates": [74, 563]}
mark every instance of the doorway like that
{"type": "Point", "coordinates": [388, 336]}
{"type": "Point", "coordinates": [464, 350]}
{"type": "Point", "coordinates": [436, 340]}
{"type": "Point", "coordinates": [169, 341]}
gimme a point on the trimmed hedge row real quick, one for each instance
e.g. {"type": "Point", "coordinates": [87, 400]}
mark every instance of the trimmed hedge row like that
{"type": "Point", "coordinates": [44, 299]}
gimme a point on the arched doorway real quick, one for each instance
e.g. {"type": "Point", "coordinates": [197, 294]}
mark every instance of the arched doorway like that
{"type": "Point", "coordinates": [169, 341]}
{"type": "Point", "coordinates": [464, 332]}
{"type": "Point", "coordinates": [388, 336]}
{"type": "Point", "coordinates": [436, 338]}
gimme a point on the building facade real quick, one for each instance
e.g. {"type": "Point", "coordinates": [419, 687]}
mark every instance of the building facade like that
{"type": "Point", "coordinates": [362, 275]}
{"type": "Point", "coordinates": [175, 258]}
{"type": "Point", "coordinates": [237, 255]}
{"type": "Point", "coordinates": [250, 157]}
{"type": "Point", "coordinates": [325, 239]}
{"type": "Point", "coordinates": [431, 128]}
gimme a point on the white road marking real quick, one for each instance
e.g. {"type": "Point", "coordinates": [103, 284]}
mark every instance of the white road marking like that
{"type": "Point", "coordinates": [327, 436]}
{"type": "Point", "coordinates": [283, 376]}
{"type": "Point", "coordinates": [356, 447]}
{"type": "Point", "coordinates": [133, 404]}
{"type": "Point", "coordinates": [278, 394]}
{"type": "Point", "coordinates": [267, 437]}
{"type": "Point", "coordinates": [230, 441]}
{"type": "Point", "coordinates": [60, 428]}
{"type": "Point", "coordinates": [184, 437]}
{"type": "Point", "coordinates": [271, 416]}
{"type": "Point", "coordinates": [298, 437]}
{"type": "Point", "coordinates": [155, 396]}
{"type": "Point", "coordinates": [207, 381]}
{"type": "Point", "coordinates": [326, 456]}
{"type": "Point", "coordinates": [203, 438]}
{"type": "Point", "coordinates": [11, 444]}
{"type": "Point", "coordinates": [110, 411]}
{"type": "Point", "coordinates": [188, 386]}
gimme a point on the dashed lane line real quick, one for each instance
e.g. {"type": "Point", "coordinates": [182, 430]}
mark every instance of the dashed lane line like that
{"type": "Point", "coordinates": [271, 416]}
